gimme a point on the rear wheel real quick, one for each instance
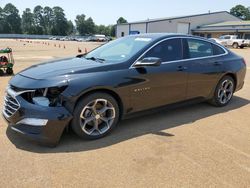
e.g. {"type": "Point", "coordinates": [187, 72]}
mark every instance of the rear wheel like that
{"type": "Point", "coordinates": [95, 116]}
{"type": "Point", "coordinates": [235, 45]}
{"type": "Point", "coordinates": [9, 71]}
{"type": "Point", "coordinates": [223, 92]}
{"type": "Point", "coordinates": [1, 72]}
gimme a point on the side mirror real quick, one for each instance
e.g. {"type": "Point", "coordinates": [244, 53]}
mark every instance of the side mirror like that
{"type": "Point", "coordinates": [148, 61]}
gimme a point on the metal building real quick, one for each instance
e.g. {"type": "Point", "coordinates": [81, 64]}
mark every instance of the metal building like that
{"type": "Point", "coordinates": [182, 24]}
{"type": "Point", "coordinates": [240, 28]}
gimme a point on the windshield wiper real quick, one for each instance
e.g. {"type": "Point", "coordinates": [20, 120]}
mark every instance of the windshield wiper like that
{"type": "Point", "coordinates": [100, 60]}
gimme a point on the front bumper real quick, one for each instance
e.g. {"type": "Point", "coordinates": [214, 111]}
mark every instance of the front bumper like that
{"type": "Point", "coordinates": [244, 45]}
{"type": "Point", "coordinates": [58, 118]}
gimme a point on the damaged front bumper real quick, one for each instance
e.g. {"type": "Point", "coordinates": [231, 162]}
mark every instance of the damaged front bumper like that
{"type": "Point", "coordinates": [44, 124]}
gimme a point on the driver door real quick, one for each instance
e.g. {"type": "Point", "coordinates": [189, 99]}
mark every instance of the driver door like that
{"type": "Point", "coordinates": [160, 85]}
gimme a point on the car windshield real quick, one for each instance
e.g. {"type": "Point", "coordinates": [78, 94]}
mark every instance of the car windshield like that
{"type": "Point", "coordinates": [120, 50]}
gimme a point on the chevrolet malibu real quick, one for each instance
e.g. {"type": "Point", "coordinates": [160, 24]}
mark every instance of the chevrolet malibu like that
{"type": "Point", "coordinates": [93, 92]}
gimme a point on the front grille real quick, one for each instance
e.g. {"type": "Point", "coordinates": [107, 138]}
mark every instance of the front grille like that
{"type": "Point", "coordinates": [11, 105]}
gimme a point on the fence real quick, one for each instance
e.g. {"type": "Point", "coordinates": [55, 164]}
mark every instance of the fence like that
{"type": "Point", "coordinates": [24, 36]}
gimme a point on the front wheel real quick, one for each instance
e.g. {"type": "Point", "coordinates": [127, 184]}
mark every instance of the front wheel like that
{"type": "Point", "coordinates": [223, 92]}
{"type": "Point", "coordinates": [95, 116]}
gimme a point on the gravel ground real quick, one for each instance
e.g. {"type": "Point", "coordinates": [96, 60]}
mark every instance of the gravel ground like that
{"type": "Point", "coordinates": [193, 146]}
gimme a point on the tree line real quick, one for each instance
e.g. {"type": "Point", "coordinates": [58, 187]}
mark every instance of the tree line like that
{"type": "Point", "coordinates": [49, 21]}
{"type": "Point", "coordinates": [52, 21]}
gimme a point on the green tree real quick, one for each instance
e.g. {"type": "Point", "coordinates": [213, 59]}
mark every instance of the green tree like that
{"type": "Point", "coordinates": [106, 30]}
{"type": "Point", "coordinates": [38, 20]}
{"type": "Point", "coordinates": [121, 20]}
{"type": "Point", "coordinates": [241, 12]}
{"type": "Point", "coordinates": [2, 21]}
{"type": "Point", "coordinates": [113, 30]}
{"type": "Point", "coordinates": [12, 19]}
{"type": "Point", "coordinates": [60, 23]}
{"type": "Point", "coordinates": [85, 26]}
{"type": "Point", "coordinates": [101, 29]}
{"type": "Point", "coordinates": [48, 18]}
{"type": "Point", "coordinates": [80, 24]}
{"type": "Point", "coordinates": [70, 28]}
{"type": "Point", "coordinates": [90, 26]}
{"type": "Point", "coordinates": [28, 22]}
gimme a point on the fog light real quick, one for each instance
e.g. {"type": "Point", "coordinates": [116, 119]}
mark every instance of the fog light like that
{"type": "Point", "coordinates": [33, 122]}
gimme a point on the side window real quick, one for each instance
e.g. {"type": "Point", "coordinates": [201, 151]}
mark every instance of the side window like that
{"type": "Point", "coordinates": [169, 50]}
{"type": "Point", "coordinates": [217, 50]}
{"type": "Point", "coordinates": [199, 48]}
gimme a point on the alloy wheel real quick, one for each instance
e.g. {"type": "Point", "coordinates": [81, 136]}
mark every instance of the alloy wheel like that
{"type": "Point", "coordinates": [225, 91]}
{"type": "Point", "coordinates": [97, 117]}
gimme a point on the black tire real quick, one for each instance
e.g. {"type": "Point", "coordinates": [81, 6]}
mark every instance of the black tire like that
{"type": "Point", "coordinates": [217, 100]}
{"type": "Point", "coordinates": [241, 47]}
{"type": "Point", "coordinates": [235, 45]}
{"type": "Point", "coordinates": [1, 72]}
{"type": "Point", "coordinates": [77, 122]}
{"type": "Point", "coordinates": [9, 71]}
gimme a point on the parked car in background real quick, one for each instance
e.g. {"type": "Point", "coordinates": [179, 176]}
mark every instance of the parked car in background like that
{"type": "Point", "coordinates": [108, 38]}
{"type": "Point", "coordinates": [81, 39]}
{"type": "Point", "coordinates": [216, 40]}
{"type": "Point", "coordinates": [233, 41]}
{"type": "Point", "coordinates": [64, 39]}
{"type": "Point", "coordinates": [97, 38]}
{"type": "Point", "coordinates": [54, 38]}
{"type": "Point", "coordinates": [93, 92]}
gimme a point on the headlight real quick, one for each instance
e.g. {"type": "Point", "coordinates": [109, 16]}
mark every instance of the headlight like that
{"type": "Point", "coordinates": [45, 96]}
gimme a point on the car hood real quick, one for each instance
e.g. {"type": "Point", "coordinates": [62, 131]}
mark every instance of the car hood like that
{"type": "Point", "coordinates": [62, 67]}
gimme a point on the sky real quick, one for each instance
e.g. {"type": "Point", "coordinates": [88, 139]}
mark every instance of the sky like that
{"type": "Point", "coordinates": [108, 11]}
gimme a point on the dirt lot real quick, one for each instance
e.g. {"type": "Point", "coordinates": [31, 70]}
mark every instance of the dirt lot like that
{"type": "Point", "coordinates": [195, 146]}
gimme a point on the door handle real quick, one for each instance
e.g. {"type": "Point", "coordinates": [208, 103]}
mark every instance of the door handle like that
{"type": "Point", "coordinates": [217, 63]}
{"type": "Point", "coordinates": [181, 68]}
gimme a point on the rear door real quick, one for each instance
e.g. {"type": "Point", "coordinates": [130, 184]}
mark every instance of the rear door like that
{"type": "Point", "coordinates": [204, 67]}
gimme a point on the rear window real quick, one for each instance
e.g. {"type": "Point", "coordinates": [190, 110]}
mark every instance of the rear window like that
{"type": "Point", "coordinates": [199, 48]}
{"type": "Point", "coordinates": [217, 50]}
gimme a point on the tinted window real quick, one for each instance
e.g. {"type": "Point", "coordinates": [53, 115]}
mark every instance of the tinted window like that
{"type": "Point", "coordinates": [217, 50]}
{"type": "Point", "coordinates": [199, 48]}
{"type": "Point", "coordinates": [169, 50]}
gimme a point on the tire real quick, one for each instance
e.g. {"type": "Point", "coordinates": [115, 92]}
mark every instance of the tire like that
{"type": "Point", "coordinates": [9, 71]}
{"type": "Point", "coordinates": [241, 47]}
{"type": "Point", "coordinates": [235, 45]}
{"type": "Point", "coordinates": [223, 92]}
{"type": "Point", "coordinates": [91, 120]}
{"type": "Point", "coordinates": [1, 72]}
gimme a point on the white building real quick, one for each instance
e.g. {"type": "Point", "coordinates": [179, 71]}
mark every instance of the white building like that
{"type": "Point", "coordinates": [183, 24]}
